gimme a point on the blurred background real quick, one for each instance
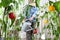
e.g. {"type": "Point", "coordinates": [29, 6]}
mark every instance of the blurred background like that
{"type": "Point", "coordinates": [47, 19]}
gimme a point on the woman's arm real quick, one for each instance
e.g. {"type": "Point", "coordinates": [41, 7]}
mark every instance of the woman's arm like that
{"type": "Point", "coordinates": [34, 14]}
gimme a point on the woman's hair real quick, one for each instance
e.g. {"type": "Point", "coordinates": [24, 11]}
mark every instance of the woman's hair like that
{"type": "Point", "coordinates": [31, 1]}
{"type": "Point", "coordinates": [33, 4]}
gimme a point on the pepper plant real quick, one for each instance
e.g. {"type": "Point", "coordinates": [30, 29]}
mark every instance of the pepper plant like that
{"type": "Point", "coordinates": [7, 15]}
{"type": "Point", "coordinates": [51, 21]}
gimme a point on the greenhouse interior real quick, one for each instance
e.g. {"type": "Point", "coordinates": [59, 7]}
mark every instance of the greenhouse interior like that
{"type": "Point", "coordinates": [29, 19]}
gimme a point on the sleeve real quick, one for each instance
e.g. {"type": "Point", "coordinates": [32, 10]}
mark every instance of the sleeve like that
{"type": "Point", "coordinates": [35, 12]}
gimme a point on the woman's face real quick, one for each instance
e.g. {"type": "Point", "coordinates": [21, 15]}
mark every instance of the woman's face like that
{"type": "Point", "coordinates": [30, 1]}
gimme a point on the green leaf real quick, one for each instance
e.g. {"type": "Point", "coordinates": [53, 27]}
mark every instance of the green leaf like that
{"type": "Point", "coordinates": [5, 3]}
{"type": "Point", "coordinates": [21, 1]}
{"type": "Point", "coordinates": [25, 11]}
{"type": "Point", "coordinates": [22, 17]}
{"type": "Point", "coordinates": [50, 2]}
{"type": "Point", "coordinates": [0, 21]}
{"type": "Point", "coordinates": [37, 24]}
{"type": "Point", "coordinates": [58, 29]}
{"type": "Point", "coordinates": [45, 15]}
{"type": "Point", "coordinates": [37, 3]}
{"type": "Point", "coordinates": [56, 38]}
{"type": "Point", "coordinates": [4, 26]}
{"type": "Point", "coordinates": [48, 27]}
{"type": "Point", "coordinates": [57, 7]}
{"type": "Point", "coordinates": [9, 8]}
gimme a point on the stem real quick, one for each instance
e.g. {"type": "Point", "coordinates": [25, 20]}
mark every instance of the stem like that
{"type": "Point", "coordinates": [5, 25]}
{"type": "Point", "coordinates": [12, 22]}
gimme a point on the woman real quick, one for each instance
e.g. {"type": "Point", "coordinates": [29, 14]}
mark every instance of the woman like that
{"type": "Point", "coordinates": [30, 14]}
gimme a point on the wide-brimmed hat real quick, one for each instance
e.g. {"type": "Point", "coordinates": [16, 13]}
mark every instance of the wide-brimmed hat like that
{"type": "Point", "coordinates": [32, 4]}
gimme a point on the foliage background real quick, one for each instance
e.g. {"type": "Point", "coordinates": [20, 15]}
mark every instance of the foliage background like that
{"type": "Point", "coordinates": [17, 6]}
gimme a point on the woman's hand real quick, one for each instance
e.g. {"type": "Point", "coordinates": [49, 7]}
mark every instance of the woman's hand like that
{"type": "Point", "coordinates": [31, 18]}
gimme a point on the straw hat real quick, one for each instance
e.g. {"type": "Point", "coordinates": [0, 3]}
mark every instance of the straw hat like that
{"type": "Point", "coordinates": [32, 4]}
